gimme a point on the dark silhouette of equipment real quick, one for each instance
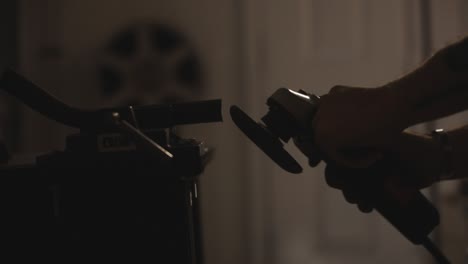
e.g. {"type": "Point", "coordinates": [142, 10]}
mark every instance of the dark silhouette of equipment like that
{"type": "Point", "coordinates": [124, 187]}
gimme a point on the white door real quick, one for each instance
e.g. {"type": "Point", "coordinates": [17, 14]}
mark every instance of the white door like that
{"type": "Point", "coordinates": [314, 45]}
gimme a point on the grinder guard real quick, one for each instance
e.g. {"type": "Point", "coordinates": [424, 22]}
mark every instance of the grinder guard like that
{"type": "Point", "coordinates": [290, 113]}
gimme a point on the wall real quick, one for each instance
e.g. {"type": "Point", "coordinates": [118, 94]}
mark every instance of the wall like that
{"type": "Point", "coordinates": [9, 112]}
{"type": "Point", "coordinates": [252, 212]}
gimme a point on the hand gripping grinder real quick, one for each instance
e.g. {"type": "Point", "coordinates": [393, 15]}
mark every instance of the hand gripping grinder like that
{"type": "Point", "coordinates": [289, 116]}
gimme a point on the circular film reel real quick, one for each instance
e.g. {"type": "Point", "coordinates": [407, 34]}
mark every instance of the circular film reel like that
{"type": "Point", "coordinates": [148, 64]}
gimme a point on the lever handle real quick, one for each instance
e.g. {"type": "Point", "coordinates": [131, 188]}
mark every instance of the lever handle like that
{"type": "Point", "coordinates": [43, 102]}
{"type": "Point", "coordinates": [141, 139]}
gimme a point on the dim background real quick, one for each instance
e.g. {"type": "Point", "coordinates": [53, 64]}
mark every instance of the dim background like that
{"type": "Point", "coordinates": [241, 51]}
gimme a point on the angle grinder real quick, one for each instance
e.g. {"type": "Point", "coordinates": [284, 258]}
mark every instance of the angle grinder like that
{"type": "Point", "coordinates": [289, 116]}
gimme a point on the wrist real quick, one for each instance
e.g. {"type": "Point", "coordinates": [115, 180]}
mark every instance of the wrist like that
{"type": "Point", "coordinates": [441, 138]}
{"type": "Point", "coordinates": [458, 138]}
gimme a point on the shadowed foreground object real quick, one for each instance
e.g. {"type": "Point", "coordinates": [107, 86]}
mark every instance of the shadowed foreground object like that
{"type": "Point", "coordinates": [124, 187]}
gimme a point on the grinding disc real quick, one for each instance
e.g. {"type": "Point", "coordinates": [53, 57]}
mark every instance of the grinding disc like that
{"type": "Point", "coordinates": [267, 142]}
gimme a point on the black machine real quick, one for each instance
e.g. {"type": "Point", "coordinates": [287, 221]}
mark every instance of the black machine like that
{"type": "Point", "coordinates": [289, 116]}
{"type": "Point", "coordinates": [124, 188]}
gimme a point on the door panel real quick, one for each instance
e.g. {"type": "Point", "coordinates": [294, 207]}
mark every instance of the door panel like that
{"type": "Point", "coordinates": [314, 45]}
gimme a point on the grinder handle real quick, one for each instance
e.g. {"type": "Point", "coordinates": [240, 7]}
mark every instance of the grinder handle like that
{"type": "Point", "coordinates": [415, 217]}
{"type": "Point", "coordinates": [407, 209]}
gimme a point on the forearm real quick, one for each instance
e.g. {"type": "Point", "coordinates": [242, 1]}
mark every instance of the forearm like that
{"type": "Point", "coordinates": [436, 89]}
